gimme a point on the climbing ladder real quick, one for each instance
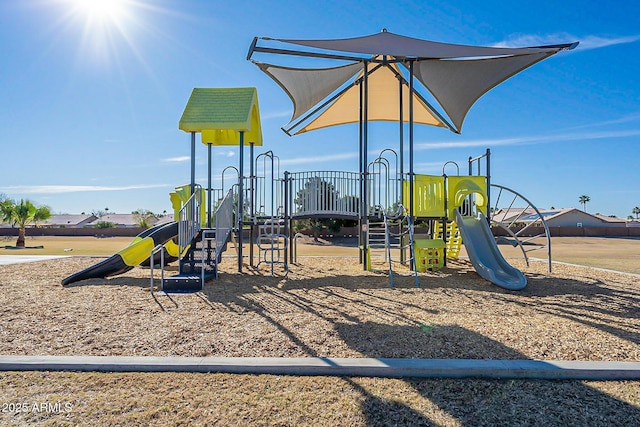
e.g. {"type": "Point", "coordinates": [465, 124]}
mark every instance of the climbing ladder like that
{"type": "Point", "coordinates": [377, 239]}
{"type": "Point", "coordinates": [399, 238]}
{"type": "Point", "coordinates": [448, 232]}
{"type": "Point", "coordinates": [272, 244]}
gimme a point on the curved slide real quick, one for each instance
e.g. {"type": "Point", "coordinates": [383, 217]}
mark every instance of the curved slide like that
{"type": "Point", "coordinates": [485, 255]}
{"type": "Point", "coordinates": [138, 252]}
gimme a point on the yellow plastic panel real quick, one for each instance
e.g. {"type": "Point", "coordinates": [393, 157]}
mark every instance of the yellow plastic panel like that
{"type": "Point", "coordinates": [181, 196]}
{"type": "Point", "coordinates": [428, 196]}
{"type": "Point", "coordinates": [138, 252]}
{"type": "Point", "coordinates": [429, 254]}
{"type": "Point", "coordinates": [459, 187]}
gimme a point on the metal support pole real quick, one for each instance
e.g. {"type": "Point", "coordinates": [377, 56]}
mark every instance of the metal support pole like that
{"type": "Point", "coordinates": [240, 200]}
{"type": "Point", "coordinates": [411, 210]}
{"type": "Point", "coordinates": [401, 119]}
{"type": "Point", "coordinates": [287, 215]}
{"type": "Point", "coordinates": [252, 180]}
{"type": "Point", "coordinates": [365, 136]}
{"type": "Point", "coordinates": [488, 184]}
{"type": "Point", "coordinates": [209, 190]}
{"type": "Point", "coordinates": [361, 242]}
{"type": "Point", "coordinates": [193, 162]}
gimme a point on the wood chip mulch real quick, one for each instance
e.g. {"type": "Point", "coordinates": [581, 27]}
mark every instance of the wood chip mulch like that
{"type": "Point", "coordinates": [325, 307]}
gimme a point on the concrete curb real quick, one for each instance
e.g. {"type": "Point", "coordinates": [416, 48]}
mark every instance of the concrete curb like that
{"type": "Point", "coordinates": [20, 259]}
{"type": "Point", "coordinates": [306, 366]}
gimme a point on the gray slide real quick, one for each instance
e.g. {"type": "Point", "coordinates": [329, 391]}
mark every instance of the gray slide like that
{"type": "Point", "coordinates": [484, 253]}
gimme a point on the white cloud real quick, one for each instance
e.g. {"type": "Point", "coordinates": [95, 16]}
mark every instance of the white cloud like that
{"type": "Point", "coordinates": [586, 42]}
{"type": "Point", "coordinates": [179, 159]}
{"type": "Point", "coordinates": [595, 42]}
{"type": "Point", "coordinates": [59, 189]}
{"type": "Point", "coordinates": [276, 115]}
{"type": "Point", "coordinates": [528, 140]}
{"type": "Point", "coordinates": [629, 118]}
{"type": "Point", "coordinates": [319, 159]}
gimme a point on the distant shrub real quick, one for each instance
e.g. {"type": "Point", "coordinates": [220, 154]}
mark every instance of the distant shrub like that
{"type": "Point", "coordinates": [105, 224]}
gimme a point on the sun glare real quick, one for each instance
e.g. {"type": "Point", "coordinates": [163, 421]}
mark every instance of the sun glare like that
{"type": "Point", "coordinates": [103, 11]}
{"type": "Point", "coordinates": [108, 27]}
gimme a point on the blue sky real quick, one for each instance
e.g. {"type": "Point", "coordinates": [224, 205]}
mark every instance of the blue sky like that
{"type": "Point", "coordinates": [90, 102]}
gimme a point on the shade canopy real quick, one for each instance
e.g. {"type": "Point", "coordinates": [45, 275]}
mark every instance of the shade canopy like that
{"type": "Point", "coordinates": [385, 93]}
{"type": "Point", "coordinates": [387, 43]}
{"type": "Point", "coordinates": [220, 114]}
{"type": "Point", "coordinates": [456, 75]}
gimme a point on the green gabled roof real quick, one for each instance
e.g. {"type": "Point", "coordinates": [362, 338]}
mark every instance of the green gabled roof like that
{"type": "Point", "coordinates": [220, 114]}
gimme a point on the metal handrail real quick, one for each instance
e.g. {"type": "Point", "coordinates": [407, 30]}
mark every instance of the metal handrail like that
{"type": "Point", "coordinates": [224, 222]}
{"type": "Point", "coordinates": [159, 248]}
{"type": "Point", "coordinates": [205, 238]}
{"type": "Point", "coordinates": [189, 221]}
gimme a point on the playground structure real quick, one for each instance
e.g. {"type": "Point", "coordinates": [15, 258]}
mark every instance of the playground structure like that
{"type": "Point", "coordinates": [385, 200]}
{"type": "Point", "coordinates": [264, 204]}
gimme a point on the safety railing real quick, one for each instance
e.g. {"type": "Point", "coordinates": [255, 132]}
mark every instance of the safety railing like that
{"type": "Point", "coordinates": [158, 249]}
{"type": "Point", "coordinates": [189, 221]}
{"type": "Point", "coordinates": [224, 222]}
{"type": "Point", "coordinates": [324, 193]}
{"type": "Point", "coordinates": [384, 181]}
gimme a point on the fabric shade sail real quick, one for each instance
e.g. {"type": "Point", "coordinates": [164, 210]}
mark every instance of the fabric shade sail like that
{"type": "Point", "coordinates": [456, 75]}
{"type": "Point", "coordinates": [387, 43]}
{"type": "Point", "coordinates": [384, 103]}
{"type": "Point", "coordinates": [457, 84]}
{"type": "Point", "coordinates": [308, 86]}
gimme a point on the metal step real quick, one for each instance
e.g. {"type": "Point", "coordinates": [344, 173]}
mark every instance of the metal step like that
{"type": "Point", "coordinates": [182, 283]}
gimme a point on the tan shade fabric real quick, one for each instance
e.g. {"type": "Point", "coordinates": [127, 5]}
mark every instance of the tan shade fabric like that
{"type": "Point", "coordinates": [308, 86]}
{"type": "Point", "coordinates": [457, 84]}
{"type": "Point", "coordinates": [384, 103]}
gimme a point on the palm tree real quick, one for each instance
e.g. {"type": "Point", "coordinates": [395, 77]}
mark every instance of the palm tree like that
{"type": "Point", "coordinates": [636, 211]}
{"type": "Point", "coordinates": [21, 214]}
{"type": "Point", "coordinates": [584, 200]}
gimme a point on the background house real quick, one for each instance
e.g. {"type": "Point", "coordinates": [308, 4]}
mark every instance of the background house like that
{"type": "Point", "coordinates": [567, 217]}
{"type": "Point", "coordinates": [68, 221]}
{"type": "Point", "coordinates": [121, 220]}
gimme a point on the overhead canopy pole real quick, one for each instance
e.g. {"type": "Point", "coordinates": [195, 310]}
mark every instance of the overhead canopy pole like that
{"type": "Point", "coordinates": [361, 241]}
{"type": "Point", "coordinates": [411, 89]}
{"type": "Point", "coordinates": [363, 172]}
{"type": "Point", "coordinates": [401, 131]}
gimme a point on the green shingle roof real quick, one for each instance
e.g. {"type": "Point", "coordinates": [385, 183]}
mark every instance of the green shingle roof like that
{"type": "Point", "coordinates": [219, 114]}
